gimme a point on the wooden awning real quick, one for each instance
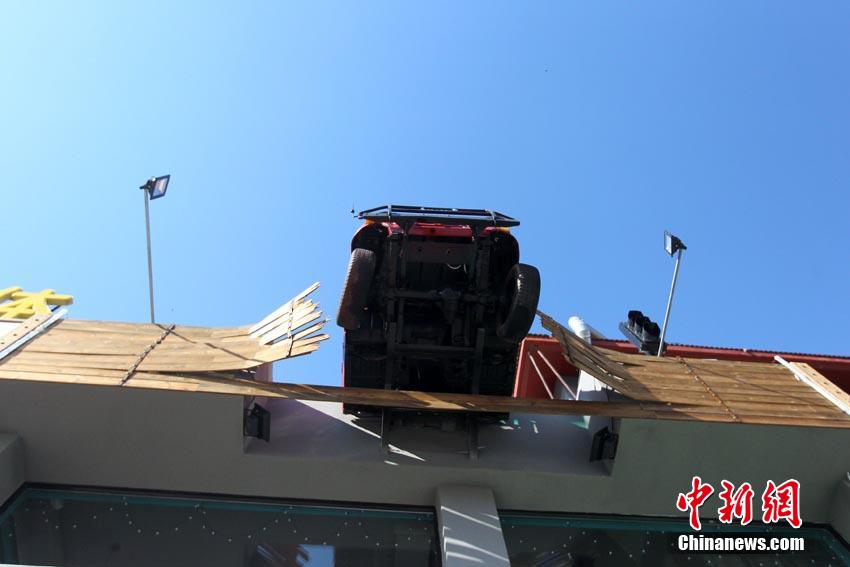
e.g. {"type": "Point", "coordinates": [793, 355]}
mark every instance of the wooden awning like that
{"type": "Point", "coordinates": [109, 353]}
{"type": "Point", "coordinates": [713, 390]}
{"type": "Point", "coordinates": [222, 361]}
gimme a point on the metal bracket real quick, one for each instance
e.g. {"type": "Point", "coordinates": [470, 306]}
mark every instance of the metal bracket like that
{"type": "Point", "coordinates": [471, 419]}
{"type": "Point", "coordinates": [28, 330]}
{"type": "Point", "coordinates": [257, 423]}
{"type": "Point", "coordinates": [604, 445]}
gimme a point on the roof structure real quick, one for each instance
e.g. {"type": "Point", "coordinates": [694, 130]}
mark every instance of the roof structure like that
{"type": "Point", "coordinates": [224, 361]}
{"type": "Point", "coordinates": [713, 390]}
{"type": "Point", "coordinates": [153, 355]}
{"type": "Point", "coordinates": [834, 367]}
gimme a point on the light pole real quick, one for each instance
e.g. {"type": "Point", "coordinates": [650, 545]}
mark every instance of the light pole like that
{"type": "Point", "coordinates": [154, 188]}
{"type": "Point", "coordinates": [672, 245]}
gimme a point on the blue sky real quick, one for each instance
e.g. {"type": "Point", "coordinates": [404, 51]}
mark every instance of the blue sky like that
{"type": "Point", "coordinates": [597, 124]}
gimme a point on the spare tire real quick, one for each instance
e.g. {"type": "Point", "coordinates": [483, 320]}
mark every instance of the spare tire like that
{"type": "Point", "coordinates": [522, 291]}
{"type": "Point", "coordinates": [355, 292]}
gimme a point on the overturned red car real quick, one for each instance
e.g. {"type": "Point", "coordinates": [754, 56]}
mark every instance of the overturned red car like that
{"type": "Point", "coordinates": [435, 299]}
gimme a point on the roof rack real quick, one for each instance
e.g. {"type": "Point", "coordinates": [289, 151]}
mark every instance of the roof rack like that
{"type": "Point", "coordinates": [409, 214]}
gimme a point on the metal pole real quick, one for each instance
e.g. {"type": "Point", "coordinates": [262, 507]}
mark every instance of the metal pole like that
{"type": "Point", "coordinates": [150, 263]}
{"type": "Point", "coordinates": [669, 302]}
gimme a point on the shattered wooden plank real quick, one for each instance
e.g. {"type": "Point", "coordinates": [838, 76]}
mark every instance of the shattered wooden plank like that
{"type": "Point", "coordinates": [747, 392]}
{"type": "Point", "coordinates": [127, 346]}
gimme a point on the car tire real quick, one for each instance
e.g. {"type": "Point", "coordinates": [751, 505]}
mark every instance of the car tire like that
{"type": "Point", "coordinates": [355, 293]}
{"type": "Point", "coordinates": [522, 289]}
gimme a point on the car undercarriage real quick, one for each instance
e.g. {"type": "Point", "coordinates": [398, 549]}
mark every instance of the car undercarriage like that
{"type": "Point", "coordinates": [435, 300]}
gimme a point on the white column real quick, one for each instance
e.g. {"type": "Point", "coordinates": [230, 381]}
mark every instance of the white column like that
{"type": "Point", "coordinates": [469, 527]}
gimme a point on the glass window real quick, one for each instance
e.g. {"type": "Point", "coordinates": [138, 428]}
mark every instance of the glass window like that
{"type": "Point", "coordinates": [59, 527]}
{"type": "Point", "coordinates": [582, 541]}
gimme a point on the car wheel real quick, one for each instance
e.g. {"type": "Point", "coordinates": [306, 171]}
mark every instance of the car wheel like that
{"type": "Point", "coordinates": [361, 269]}
{"type": "Point", "coordinates": [522, 291]}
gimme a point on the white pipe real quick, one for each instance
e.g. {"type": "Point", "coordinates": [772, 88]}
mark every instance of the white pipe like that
{"type": "Point", "coordinates": [588, 387]}
{"type": "Point", "coordinates": [583, 330]}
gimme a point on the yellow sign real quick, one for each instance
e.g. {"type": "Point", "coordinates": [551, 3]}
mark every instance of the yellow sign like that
{"type": "Point", "coordinates": [17, 304]}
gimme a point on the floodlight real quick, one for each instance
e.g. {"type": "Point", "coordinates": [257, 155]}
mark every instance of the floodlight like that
{"type": "Point", "coordinates": [156, 186]}
{"type": "Point", "coordinates": [672, 244]}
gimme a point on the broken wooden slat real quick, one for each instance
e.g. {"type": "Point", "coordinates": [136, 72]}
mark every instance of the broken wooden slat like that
{"type": "Point", "coordinates": [235, 385]}
{"type": "Point", "coordinates": [271, 318]}
{"type": "Point", "coordinates": [589, 359]}
{"type": "Point", "coordinates": [749, 392]}
{"type": "Point", "coordinates": [127, 346]}
{"type": "Point", "coordinates": [819, 383]}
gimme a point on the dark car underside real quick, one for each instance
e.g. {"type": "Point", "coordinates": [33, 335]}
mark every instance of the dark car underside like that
{"type": "Point", "coordinates": [435, 300]}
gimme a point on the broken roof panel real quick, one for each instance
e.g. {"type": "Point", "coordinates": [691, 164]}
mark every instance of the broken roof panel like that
{"type": "Point", "coordinates": [714, 390]}
{"type": "Point", "coordinates": [221, 361]}
{"type": "Point", "coordinates": [116, 352]}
